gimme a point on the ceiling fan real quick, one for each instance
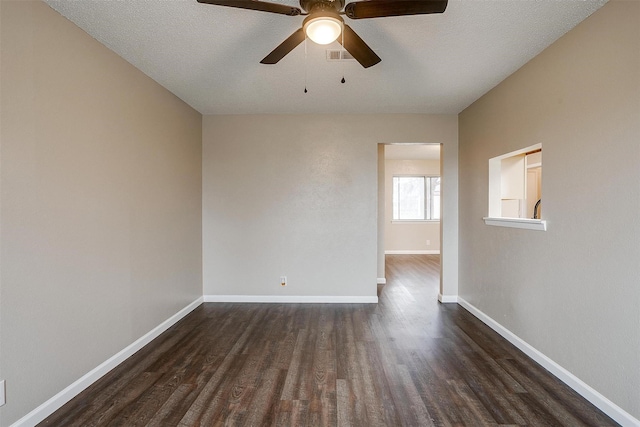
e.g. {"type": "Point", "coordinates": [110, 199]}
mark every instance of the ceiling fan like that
{"type": "Point", "coordinates": [323, 23]}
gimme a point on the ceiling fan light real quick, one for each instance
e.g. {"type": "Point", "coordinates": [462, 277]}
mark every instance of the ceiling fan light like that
{"type": "Point", "coordinates": [323, 30]}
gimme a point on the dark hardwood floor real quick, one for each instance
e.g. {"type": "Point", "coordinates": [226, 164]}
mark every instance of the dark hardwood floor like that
{"type": "Point", "coordinates": [407, 361]}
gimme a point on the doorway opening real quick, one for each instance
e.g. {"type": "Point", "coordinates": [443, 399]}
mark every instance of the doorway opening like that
{"type": "Point", "coordinates": [409, 208]}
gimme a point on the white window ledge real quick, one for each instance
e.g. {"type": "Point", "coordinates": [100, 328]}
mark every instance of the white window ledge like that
{"type": "Point", "coordinates": [527, 224]}
{"type": "Point", "coordinates": [413, 221]}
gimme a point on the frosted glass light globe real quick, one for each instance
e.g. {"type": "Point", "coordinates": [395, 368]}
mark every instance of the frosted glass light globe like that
{"type": "Point", "coordinates": [323, 30]}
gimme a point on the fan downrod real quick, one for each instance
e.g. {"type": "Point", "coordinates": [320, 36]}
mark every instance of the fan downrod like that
{"type": "Point", "coordinates": [311, 6]}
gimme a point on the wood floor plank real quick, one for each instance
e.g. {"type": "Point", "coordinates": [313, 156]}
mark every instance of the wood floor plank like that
{"type": "Point", "coordinates": [174, 408]}
{"type": "Point", "coordinates": [343, 404]}
{"type": "Point", "coordinates": [406, 361]}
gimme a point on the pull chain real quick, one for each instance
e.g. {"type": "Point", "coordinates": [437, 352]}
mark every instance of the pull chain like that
{"type": "Point", "coordinates": [305, 64]}
{"type": "Point", "coordinates": [342, 55]}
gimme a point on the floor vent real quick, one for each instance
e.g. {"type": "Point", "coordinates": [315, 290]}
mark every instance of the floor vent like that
{"type": "Point", "coordinates": [339, 55]}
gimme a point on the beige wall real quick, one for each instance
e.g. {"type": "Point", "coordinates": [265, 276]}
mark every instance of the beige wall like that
{"type": "Point", "coordinates": [571, 292]}
{"type": "Point", "coordinates": [100, 205]}
{"type": "Point", "coordinates": [409, 236]}
{"type": "Point", "coordinates": [297, 196]}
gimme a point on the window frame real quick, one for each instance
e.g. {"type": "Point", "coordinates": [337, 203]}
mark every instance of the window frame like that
{"type": "Point", "coordinates": [428, 209]}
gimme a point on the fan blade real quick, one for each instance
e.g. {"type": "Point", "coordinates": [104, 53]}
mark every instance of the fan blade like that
{"type": "Point", "coordinates": [381, 8]}
{"type": "Point", "coordinates": [285, 47]}
{"type": "Point", "coordinates": [256, 5]}
{"type": "Point", "coordinates": [358, 48]}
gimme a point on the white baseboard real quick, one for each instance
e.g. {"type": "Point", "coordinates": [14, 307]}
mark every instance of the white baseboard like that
{"type": "Point", "coordinates": [292, 299]}
{"type": "Point", "coordinates": [447, 299]}
{"type": "Point", "coordinates": [382, 280]}
{"type": "Point", "coordinates": [57, 401]}
{"type": "Point", "coordinates": [605, 405]}
{"type": "Point", "coordinates": [413, 252]}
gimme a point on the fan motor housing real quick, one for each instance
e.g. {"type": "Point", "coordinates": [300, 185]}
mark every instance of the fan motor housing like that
{"type": "Point", "coordinates": [313, 5]}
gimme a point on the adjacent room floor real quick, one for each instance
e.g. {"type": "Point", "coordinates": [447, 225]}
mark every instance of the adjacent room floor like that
{"type": "Point", "coordinates": [406, 361]}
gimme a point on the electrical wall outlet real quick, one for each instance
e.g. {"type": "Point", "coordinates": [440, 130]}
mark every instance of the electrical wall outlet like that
{"type": "Point", "coordinates": [2, 394]}
{"type": "Point", "coordinates": [283, 280]}
{"type": "Point", "coordinates": [428, 242]}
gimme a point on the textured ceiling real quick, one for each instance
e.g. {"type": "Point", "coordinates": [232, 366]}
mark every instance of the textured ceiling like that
{"type": "Point", "coordinates": [438, 64]}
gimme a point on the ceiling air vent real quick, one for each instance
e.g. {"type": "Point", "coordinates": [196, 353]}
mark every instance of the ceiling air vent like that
{"type": "Point", "coordinates": [339, 55]}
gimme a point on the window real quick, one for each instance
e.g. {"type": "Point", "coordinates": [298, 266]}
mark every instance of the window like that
{"type": "Point", "coordinates": [515, 190]}
{"type": "Point", "coordinates": [416, 198]}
